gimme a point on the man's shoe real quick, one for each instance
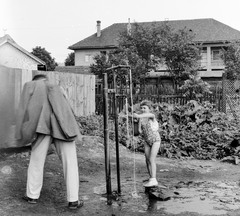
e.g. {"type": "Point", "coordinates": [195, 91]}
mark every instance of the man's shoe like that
{"type": "Point", "coordinates": [75, 205]}
{"type": "Point", "coordinates": [151, 183]}
{"type": "Point", "coordinates": [29, 200]}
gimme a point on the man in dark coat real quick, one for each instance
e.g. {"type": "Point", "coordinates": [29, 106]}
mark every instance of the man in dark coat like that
{"type": "Point", "coordinates": [45, 116]}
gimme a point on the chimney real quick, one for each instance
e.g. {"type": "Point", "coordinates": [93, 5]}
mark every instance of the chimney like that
{"type": "Point", "coordinates": [98, 28]}
{"type": "Point", "coordinates": [129, 29]}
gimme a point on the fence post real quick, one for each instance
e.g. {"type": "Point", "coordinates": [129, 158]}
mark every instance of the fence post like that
{"type": "Point", "coordinates": [106, 140]}
{"type": "Point", "coordinates": [224, 92]}
{"type": "Point", "coordinates": [116, 131]}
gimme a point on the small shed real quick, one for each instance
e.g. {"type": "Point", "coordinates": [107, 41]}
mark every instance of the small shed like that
{"type": "Point", "coordinates": [14, 56]}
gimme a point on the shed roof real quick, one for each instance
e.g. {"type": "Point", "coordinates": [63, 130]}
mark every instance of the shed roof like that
{"type": "Point", "coordinates": [7, 39]}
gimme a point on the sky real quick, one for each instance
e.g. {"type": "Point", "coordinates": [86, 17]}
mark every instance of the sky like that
{"type": "Point", "coordinates": [57, 24]}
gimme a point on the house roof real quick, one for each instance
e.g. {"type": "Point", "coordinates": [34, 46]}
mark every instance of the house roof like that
{"type": "Point", "coordinates": [7, 39]}
{"type": "Point", "coordinates": [205, 30]}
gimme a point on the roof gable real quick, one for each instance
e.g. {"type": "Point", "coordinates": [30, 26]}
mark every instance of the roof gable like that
{"type": "Point", "coordinates": [7, 39]}
{"type": "Point", "coordinates": [205, 30]}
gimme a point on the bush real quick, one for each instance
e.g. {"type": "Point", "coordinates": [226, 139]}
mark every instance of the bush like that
{"type": "Point", "coordinates": [91, 125]}
{"type": "Point", "coordinates": [193, 130]}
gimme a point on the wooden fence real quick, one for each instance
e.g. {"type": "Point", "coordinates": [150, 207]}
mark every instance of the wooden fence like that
{"type": "Point", "coordinates": [80, 89]}
{"type": "Point", "coordinates": [152, 93]}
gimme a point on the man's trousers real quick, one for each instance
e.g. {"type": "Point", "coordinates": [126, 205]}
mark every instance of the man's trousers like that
{"type": "Point", "coordinates": [67, 154]}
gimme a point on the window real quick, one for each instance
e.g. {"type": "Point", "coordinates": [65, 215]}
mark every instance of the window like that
{"type": "Point", "coordinates": [216, 55]}
{"type": "Point", "coordinates": [103, 52]}
{"type": "Point", "coordinates": [88, 58]}
{"type": "Point", "coordinates": [204, 55]}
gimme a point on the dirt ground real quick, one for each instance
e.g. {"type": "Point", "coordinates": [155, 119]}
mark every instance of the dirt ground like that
{"type": "Point", "coordinates": [195, 187]}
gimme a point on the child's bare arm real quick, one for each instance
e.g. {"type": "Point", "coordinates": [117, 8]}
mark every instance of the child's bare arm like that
{"type": "Point", "coordinates": [139, 126]}
{"type": "Point", "coordinates": [144, 115]}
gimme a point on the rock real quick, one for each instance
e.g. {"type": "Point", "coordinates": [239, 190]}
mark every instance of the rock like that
{"type": "Point", "coordinates": [163, 170]}
{"type": "Point", "coordinates": [103, 198]}
{"type": "Point", "coordinates": [99, 190]}
{"type": "Point", "coordinates": [159, 193]}
{"type": "Point", "coordinates": [236, 160]}
{"type": "Point", "coordinates": [225, 200]}
{"type": "Point", "coordinates": [224, 185]}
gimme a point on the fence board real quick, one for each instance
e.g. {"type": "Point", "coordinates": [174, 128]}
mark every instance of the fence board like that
{"type": "Point", "coordinates": [78, 89]}
{"type": "Point", "coordinates": [11, 84]}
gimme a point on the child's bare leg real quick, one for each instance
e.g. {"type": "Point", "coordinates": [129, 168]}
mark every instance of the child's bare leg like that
{"type": "Point", "coordinates": [147, 150]}
{"type": "Point", "coordinates": [152, 158]}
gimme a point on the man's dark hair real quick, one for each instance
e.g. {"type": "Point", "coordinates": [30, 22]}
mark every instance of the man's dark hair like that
{"type": "Point", "coordinates": [39, 76]}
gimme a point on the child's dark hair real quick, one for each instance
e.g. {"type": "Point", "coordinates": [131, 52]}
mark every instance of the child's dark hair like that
{"type": "Point", "coordinates": [39, 76]}
{"type": "Point", "coordinates": [146, 103]}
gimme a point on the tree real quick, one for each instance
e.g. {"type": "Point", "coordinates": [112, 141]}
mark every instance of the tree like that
{"type": "Point", "coordinates": [70, 60]}
{"type": "Point", "coordinates": [231, 58]}
{"type": "Point", "coordinates": [195, 87]}
{"type": "Point", "coordinates": [179, 53]}
{"type": "Point", "coordinates": [134, 50]}
{"type": "Point", "coordinates": [158, 45]}
{"type": "Point", "coordinates": [102, 62]}
{"type": "Point", "coordinates": [149, 46]}
{"type": "Point", "coordinates": [45, 56]}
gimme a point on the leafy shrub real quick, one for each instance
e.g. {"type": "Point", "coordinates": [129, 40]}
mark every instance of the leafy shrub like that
{"type": "Point", "coordinates": [196, 130]}
{"type": "Point", "coordinates": [193, 130]}
{"type": "Point", "coordinates": [91, 125]}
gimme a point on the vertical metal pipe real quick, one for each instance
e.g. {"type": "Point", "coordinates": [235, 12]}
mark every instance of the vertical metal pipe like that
{"type": "Point", "coordinates": [116, 131]}
{"type": "Point", "coordinates": [126, 105]}
{"type": "Point", "coordinates": [126, 101]}
{"type": "Point", "coordinates": [131, 99]}
{"type": "Point", "coordinates": [106, 140]}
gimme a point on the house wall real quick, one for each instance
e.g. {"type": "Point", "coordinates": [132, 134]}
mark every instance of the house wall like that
{"type": "Point", "coordinates": [11, 83]}
{"type": "Point", "coordinates": [211, 63]}
{"type": "Point", "coordinates": [211, 59]}
{"type": "Point", "coordinates": [14, 58]}
{"type": "Point", "coordinates": [85, 57]}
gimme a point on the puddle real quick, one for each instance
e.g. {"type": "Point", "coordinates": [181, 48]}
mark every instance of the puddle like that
{"type": "Point", "coordinates": [212, 198]}
{"type": "Point", "coordinates": [192, 205]}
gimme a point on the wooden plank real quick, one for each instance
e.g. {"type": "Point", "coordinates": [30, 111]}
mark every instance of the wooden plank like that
{"type": "Point", "coordinates": [18, 88]}
{"type": "Point", "coordinates": [81, 92]}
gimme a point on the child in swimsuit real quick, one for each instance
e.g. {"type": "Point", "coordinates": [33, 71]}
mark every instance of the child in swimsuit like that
{"type": "Point", "coordinates": [148, 127]}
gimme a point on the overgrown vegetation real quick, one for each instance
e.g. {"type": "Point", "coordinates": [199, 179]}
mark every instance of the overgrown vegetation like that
{"type": "Point", "coordinates": [231, 58]}
{"type": "Point", "coordinates": [91, 125]}
{"type": "Point", "coordinates": [194, 87]}
{"type": "Point", "coordinates": [193, 130]}
{"type": "Point", "coordinates": [196, 130]}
